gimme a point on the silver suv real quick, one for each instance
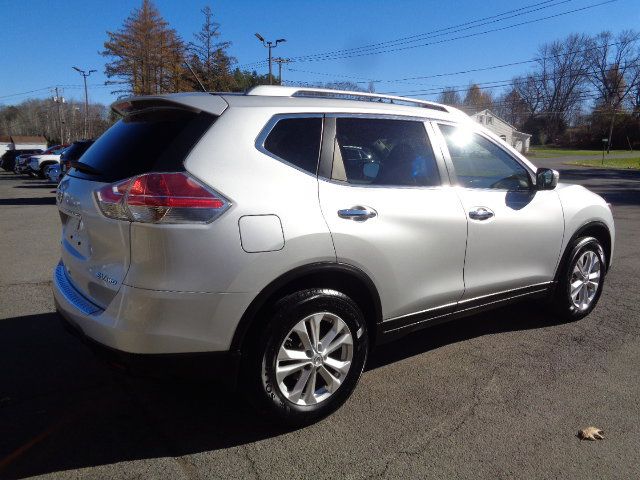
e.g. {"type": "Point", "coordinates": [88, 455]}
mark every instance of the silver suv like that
{"type": "Point", "coordinates": [281, 234]}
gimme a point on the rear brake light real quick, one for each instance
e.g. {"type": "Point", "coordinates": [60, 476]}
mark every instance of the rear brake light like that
{"type": "Point", "coordinates": [161, 198]}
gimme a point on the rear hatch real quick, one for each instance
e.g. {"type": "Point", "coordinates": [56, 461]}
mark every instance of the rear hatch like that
{"type": "Point", "coordinates": [152, 136]}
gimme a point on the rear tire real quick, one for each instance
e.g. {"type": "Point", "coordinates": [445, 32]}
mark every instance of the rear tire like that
{"type": "Point", "coordinates": [290, 374]}
{"type": "Point", "coordinates": [581, 281]}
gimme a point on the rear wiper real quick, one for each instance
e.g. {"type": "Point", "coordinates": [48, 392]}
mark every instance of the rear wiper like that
{"type": "Point", "coordinates": [83, 167]}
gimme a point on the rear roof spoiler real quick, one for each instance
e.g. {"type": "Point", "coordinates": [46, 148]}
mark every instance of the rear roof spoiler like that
{"type": "Point", "coordinates": [196, 101]}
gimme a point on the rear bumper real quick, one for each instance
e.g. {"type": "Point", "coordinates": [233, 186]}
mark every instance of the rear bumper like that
{"type": "Point", "coordinates": [221, 366]}
{"type": "Point", "coordinates": [140, 321]}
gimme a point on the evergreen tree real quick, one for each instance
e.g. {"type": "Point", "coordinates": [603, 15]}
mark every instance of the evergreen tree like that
{"type": "Point", "coordinates": [476, 99]}
{"type": "Point", "coordinates": [146, 55]}
{"type": "Point", "coordinates": [209, 58]}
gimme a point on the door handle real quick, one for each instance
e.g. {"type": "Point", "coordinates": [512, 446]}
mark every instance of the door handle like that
{"type": "Point", "coordinates": [480, 213]}
{"type": "Point", "coordinates": [358, 213]}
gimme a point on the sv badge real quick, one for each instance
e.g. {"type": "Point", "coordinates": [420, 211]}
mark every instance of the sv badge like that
{"type": "Point", "coordinates": [106, 278]}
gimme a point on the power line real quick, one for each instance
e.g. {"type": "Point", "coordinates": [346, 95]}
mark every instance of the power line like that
{"type": "Point", "coordinates": [461, 72]}
{"type": "Point", "coordinates": [421, 36]}
{"type": "Point", "coordinates": [319, 57]}
{"type": "Point", "coordinates": [510, 82]}
{"type": "Point", "coordinates": [51, 87]}
{"type": "Point", "coordinates": [439, 33]}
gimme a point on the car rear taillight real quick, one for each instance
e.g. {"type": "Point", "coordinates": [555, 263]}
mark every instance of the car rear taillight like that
{"type": "Point", "coordinates": [161, 198]}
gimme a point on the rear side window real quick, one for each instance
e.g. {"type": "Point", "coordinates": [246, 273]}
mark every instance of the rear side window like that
{"type": "Point", "coordinates": [296, 141]}
{"type": "Point", "coordinates": [151, 140]}
{"type": "Point", "coordinates": [383, 152]}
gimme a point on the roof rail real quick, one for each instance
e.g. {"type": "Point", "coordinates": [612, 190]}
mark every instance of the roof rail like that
{"type": "Point", "coordinates": [278, 91]}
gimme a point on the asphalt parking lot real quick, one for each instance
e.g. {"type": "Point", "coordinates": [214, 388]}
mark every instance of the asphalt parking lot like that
{"type": "Point", "coordinates": [500, 395]}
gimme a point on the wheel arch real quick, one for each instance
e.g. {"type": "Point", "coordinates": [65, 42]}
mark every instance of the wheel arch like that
{"type": "Point", "coordinates": [46, 163]}
{"type": "Point", "coordinates": [596, 229]}
{"type": "Point", "coordinates": [338, 276]}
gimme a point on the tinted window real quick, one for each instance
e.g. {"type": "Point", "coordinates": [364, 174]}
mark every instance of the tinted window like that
{"type": "Point", "coordinates": [297, 141]}
{"type": "Point", "coordinates": [149, 140]}
{"type": "Point", "coordinates": [479, 163]}
{"type": "Point", "coordinates": [383, 152]}
{"type": "Point", "coordinates": [75, 151]}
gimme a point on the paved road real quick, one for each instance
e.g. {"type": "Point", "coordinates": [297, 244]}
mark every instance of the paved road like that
{"type": "Point", "coordinates": [500, 395]}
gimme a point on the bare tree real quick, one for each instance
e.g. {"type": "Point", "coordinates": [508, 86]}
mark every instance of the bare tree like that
{"type": "Point", "coordinates": [612, 69]}
{"type": "Point", "coordinates": [529, 89]}
{"type": "Point", "coordinates": [39, 117]}
{"type": "Point", "coordinates": [450, 96]}
{"type": "Point", "coordinates": [561, 78]}
{"type": "Point", "coordinates": [513, 108]}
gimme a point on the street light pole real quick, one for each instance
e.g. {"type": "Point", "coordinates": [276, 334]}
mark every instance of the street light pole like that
{"type": "Point", "coordinates": [86, 98]}
{"type": "Point", "coordinates": [270, 45]}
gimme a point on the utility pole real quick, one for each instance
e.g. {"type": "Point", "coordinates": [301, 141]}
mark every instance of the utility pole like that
{"type": "Point", "coordinates": [59, 100]}
{"type": "Point", "coordinates": [86, 99]}
{"type": "Point", "coordinates": [270, 45]}
{"type": "Point", "coordinates": [280, 61]}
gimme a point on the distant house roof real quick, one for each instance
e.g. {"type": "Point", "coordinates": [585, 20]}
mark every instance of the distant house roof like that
{"type": "Point", "coordinates": [5, 139]}
{"type": "Point", "coordinates": [486, 111]}
{"type": "Point", "coordinates": [37, 139]}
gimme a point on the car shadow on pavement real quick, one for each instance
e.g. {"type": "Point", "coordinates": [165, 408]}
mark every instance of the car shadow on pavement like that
{"type": "Point", "coordinates": [61, 408]}
{"type": "Point", "coordinates": [40, 185]}
{"type": "Point", "coordinates": [507, 319]}
{"type": "Point", "coordinates": [51, 200]}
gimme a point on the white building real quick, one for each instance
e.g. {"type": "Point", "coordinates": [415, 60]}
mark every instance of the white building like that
{"type": "Point", "coordinates": [28, 142]}
{"type": "Point", "coordinates": [22, 142]}
{"type": "Point", "coordinates": [5, 144]}
{"type": "Point", "coordinates": [507, 132]}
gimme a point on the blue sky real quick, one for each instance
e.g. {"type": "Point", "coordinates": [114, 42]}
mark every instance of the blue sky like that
{"type": "Point", "coordinates": [41, 40]}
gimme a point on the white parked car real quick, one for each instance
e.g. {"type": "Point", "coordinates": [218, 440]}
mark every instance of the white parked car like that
{"type": "Point", "coordinates": [37, 163]}
{"type": "Point", "coordinates": [285, 232]}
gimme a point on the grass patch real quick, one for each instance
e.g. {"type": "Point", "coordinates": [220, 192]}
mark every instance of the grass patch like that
{"type": "Point", "coordinates": [633, 163]}
{"type": "Point", "coordinates": [566, 152]}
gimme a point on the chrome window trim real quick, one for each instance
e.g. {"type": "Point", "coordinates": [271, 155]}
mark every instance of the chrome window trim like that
{"type": "Point", "coordinates": [394, 187]}
{"type": "Point", "coordinates": [269, 126]}
{"type": "Point", "coordinates": [380, 116]}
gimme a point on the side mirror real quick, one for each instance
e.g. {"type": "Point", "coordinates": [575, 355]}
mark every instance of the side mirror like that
{"type": "Point", "coordinates": [546, 179]}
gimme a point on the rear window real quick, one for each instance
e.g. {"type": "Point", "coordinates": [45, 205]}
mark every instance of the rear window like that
{"type": "Point", "coordinates": [75, 151]}
{"type": "Point", "coordinates": [155, 140]}
{"type": "Point", "coordinates": [296, 141]}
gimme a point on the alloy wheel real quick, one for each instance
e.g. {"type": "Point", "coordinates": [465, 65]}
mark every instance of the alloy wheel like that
{"type": "Point", "coordinates": [585, 280]}
{"type": "Point", "coordinates": [314, 359]}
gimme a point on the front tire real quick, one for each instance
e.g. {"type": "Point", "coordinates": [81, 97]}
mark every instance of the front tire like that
{"type": "Point", "coordinates": [308, 359]}
{"type": "Point", "coordinates": [581, 282]}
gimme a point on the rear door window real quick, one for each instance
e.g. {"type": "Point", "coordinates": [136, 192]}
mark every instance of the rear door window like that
{"type": "Point", "coordinates": [384, 152]}
{"type": "Point", "coordinates": [296, 140]}
{"type": "Point", "coordinates": [154, 139]}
